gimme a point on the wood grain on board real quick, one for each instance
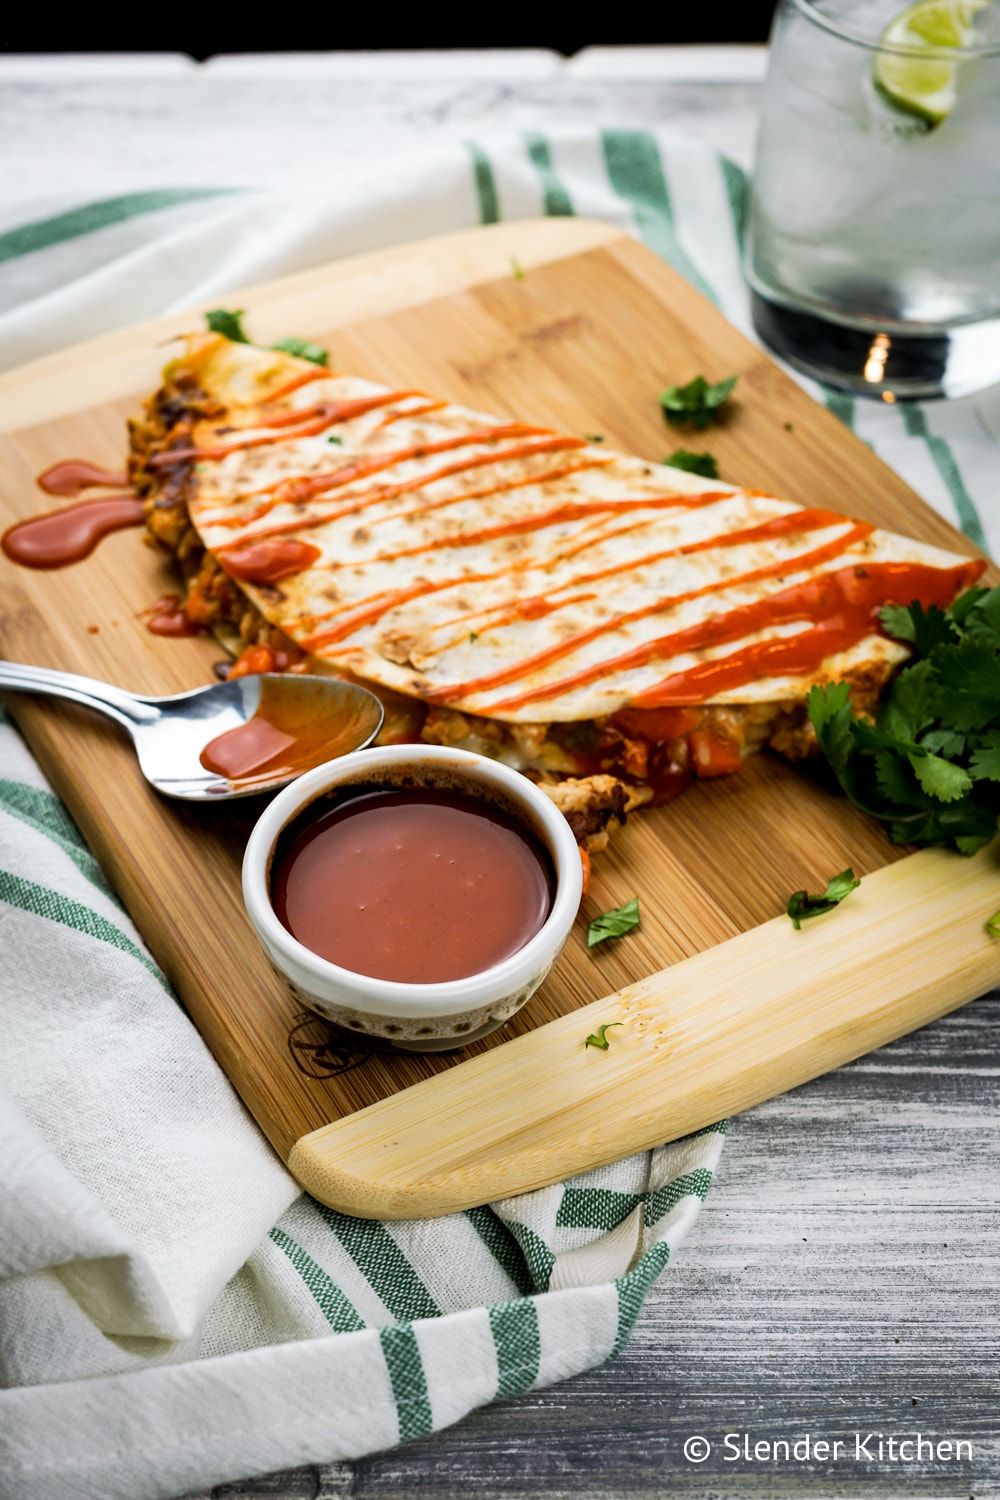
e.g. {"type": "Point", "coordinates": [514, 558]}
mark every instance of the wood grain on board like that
{"type": "Point", "coordinates": [584, 341]}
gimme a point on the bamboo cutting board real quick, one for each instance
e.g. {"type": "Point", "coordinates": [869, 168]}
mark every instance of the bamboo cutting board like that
{"type": "Point", "coordinates": [719, 1010]}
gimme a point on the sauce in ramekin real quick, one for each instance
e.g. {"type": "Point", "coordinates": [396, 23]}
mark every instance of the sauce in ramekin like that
{"type": "Point", "coordinates": [420, 885]}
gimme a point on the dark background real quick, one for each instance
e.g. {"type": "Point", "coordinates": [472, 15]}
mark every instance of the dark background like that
{"type": "Point", "coordinates": [373, 30]}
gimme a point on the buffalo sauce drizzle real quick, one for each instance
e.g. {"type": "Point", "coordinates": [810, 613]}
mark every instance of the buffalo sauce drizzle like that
{"type": "Point", "coordinates": [839, 608]}
{"type": "Point", "coordinates": [287, 735]}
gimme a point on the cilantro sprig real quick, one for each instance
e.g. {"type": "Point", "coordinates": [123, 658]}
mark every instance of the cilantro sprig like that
{"type": "Point", "coordinates": [929, 764]}
{"type": "Point", "coordinates": [305, 349]}
{"type": "Point", "coordinates": [229, 322]}
{"type": "Point", "coordinates": [694, 463]}
{"type": "Point", "coordinates": [614, 923]}
{"type": "Point", "coordinates": [697, 403]}
{"type": "Point", "coordinates": [599, 1038]}
{"type": "Point", "coordinates": [802, 906]}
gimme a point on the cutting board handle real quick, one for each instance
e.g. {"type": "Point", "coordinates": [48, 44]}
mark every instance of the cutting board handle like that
{"type": "Point", "coordinates": [710, 1036]}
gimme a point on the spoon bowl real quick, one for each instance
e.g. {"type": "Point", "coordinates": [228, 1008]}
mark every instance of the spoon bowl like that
{"type": "Point", "coordinates": [293, 723]}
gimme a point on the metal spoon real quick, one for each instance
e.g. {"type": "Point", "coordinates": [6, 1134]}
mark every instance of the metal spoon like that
{"type": "Point", "coordinates": [169, 734]}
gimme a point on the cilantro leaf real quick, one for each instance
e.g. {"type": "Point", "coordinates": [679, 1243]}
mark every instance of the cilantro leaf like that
{"type": "Point", "coordinates": [830, 711]}
{"type": "Point", "coordinates": [981, 617]}
{"type": "Point", "coordinates": [941, 778]}
{"type": "Point", "coordinates": [993, 924]}
{"type": "Point", "coordinates": [984, 763]}
{"type": "Point", "coordinates": [614, 924]}
{"type": "Point", "coordinates": [929, 766]}
{"type": "Point", "coordinates": [305, 349]}
{"type": "Point", "coordinates": [228, 322]}
{"type": "Point", "coordinates": [967, 677]}
{"type": "Point", "coordinates": [909, 707]}
{"type": "Point", "coordinates": [943, 742]}
{"type": "Point", "coordinates": [961, 607]}
{"type": "Point", "coordinates": [801, 905]}
{"type": "Point", "coordinates": [693, 463]}
{"type": "Point", "coordinates": [599, 1038]}
{"type": "Point", "coordinates": [697, 403]}
{"type": "Point", "coordinates": [896, 782]}
{"type": "Point", "coordinates": [925, 628]}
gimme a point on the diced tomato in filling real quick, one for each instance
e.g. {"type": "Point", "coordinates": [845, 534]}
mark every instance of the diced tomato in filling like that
{"type": "Point", "coordinates": [656, 724]}
{"type": "Point", "coordinates": [585, 862]}
{"type": "Point", "coordinates": [712, 755]}
{"type": "Point", "coordinates": [259, 659]}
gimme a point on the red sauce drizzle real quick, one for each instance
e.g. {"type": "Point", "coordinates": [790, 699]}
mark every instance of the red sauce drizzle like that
{"type": "Point", "coordinates": [287, 735]}
{"type": "Point", "coordinates": [67, 536]}
{"type": "Point", "coordinates": [942, 584]}
{"type": "Point", "coordinates": [841, 608]}
{"type": "Point", "coordinates": [307, 423]}
{"type": "Point", "coordinates": [649, 649]}
{"type": "Point", "coordinates": [166, 616]}
{"type": "Point", "coordinates": [300, 491]}
{"type": "Point", "coordinates": [268, 560]}
{"type": "Point", "coordinates": [536, 606]}
{"type": "Point", "coordinates": [72, 476]}
{"type": "Point", "coordinates": [418, 885]}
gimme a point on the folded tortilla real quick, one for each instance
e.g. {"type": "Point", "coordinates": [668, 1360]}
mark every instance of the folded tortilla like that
{"type": "Point", "coordinates": [540, 592]}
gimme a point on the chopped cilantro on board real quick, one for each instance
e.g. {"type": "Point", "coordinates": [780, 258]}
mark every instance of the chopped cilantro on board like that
{"type": "Point", "coordinates": [697, 403]}
{"type": "Point", "coordinates": [599, 1038]}
{"type": "Point", "coordinates": [929, 764]}
{"type": "Point", "coordinates": [801, 905]}
{"type": "Point", "coordinates": [614, 923]}
{"type": "Point", "coordinates": [228, 322]}
{"type": "Point", "coordinates": [305, 349]}
{"type": "Point", "coordinates": [694, 463]}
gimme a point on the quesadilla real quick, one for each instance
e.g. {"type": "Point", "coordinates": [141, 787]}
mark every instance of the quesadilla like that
{"type": "Point", "coordinates": [608, 625]}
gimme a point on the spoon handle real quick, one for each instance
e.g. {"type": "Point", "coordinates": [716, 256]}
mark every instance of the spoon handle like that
{"type": "Point", "coordinates": [107, 699]}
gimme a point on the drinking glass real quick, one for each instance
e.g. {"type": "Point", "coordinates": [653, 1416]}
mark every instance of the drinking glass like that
{"type": "Point", "coordinates": [873, 252]}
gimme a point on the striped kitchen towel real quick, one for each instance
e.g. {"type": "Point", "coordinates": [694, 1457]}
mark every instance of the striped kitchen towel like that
{"type": "Point", "coordinates": [173, 1313]}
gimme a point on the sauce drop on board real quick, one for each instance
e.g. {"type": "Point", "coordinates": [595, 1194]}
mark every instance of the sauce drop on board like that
{"type": "Point", "coordinates": [418, 885]}
{"type": "Point", "coordinates": [60, 537]}
{"type": "Point", "coordinates": [290, 733]}
{"type": "Point", "coordinates": [166, 616]}
{"type": "Point", "coordinates": [71, 476]}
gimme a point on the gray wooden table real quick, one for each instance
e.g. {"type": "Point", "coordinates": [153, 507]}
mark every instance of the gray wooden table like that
{"type": "Point", "coordinates": [844, 1276]}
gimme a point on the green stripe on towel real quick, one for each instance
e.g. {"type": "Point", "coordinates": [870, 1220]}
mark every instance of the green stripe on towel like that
{"type": "Point", "coordinates": [42, 811]}
{"type": "Point", "coordinates": [340, 1313]}
{"type": "Point", "coordinates": [944, 461]}
{"type": "Point", "coordinates": [383, 1264]}
{"type": "Point", "coordinates": [502, 1246]}
{"type": "Point", "coordinates": [409, 1384]}
{"type": "Point", "coordinates": [485, 184]}
{"type": "Point", "coordinates": [42, 902]}
{"type": "Point", "coordinates": [635, 172]}
{"type": "Point", "coordinates": [514, 1326]}
{"type": "Point", "coordinates": [40, 234]}
{"type": "Point", "coordinates": [594, 1208]}
{"type": "Point", "coordinates": [555, 197]}
{"type": "Point", "coordinates": [691, 1185]}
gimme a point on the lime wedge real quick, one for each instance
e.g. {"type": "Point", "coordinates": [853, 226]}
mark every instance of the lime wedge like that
{"type": "Point", "coordinates": [926, 86]}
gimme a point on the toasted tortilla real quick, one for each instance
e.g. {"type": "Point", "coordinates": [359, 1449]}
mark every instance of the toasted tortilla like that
{"type": "Point", "coordinates": [496, 567]}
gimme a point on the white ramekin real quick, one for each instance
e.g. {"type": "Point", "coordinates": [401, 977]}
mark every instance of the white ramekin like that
{"type": "Point", "coordinates": [419, 1017]}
